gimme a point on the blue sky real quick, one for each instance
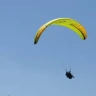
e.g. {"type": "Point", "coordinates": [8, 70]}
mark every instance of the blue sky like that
{"type": "Point", "coordinates": [28, 70]}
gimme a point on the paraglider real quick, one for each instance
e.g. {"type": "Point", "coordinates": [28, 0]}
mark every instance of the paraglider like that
{"type": "Point", "coordinates": [65, 22]}
{"type": "Point", "coordinates": [69, 75]}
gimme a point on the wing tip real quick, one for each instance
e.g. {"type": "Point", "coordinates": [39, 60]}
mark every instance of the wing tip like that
{"type": "Point", "coordinates": [35, 42]}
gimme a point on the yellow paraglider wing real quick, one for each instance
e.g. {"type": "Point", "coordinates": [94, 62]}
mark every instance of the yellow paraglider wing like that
{"type": "Point", "coordinates": [66, 22]}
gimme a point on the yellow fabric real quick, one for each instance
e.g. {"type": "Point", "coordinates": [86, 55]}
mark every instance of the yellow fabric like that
{"type": "Point", "coordinates": [66, 22]}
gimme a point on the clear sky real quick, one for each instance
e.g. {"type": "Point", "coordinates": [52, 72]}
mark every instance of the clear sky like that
{"type": "Point", "coordinates": [38, 70]}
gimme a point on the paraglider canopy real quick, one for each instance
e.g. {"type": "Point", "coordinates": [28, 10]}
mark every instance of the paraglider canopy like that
{"type": "Point", "coordinates": [65, 22]}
